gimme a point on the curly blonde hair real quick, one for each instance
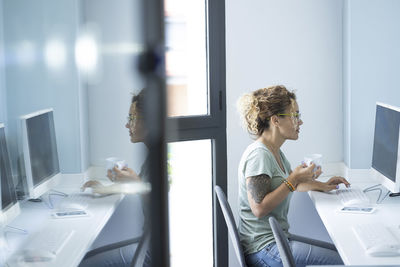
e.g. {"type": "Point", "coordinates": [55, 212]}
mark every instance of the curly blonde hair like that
{"type": "Point", "coordinates": [257, 107]}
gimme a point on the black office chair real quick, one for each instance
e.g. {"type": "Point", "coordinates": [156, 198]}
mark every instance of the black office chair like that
{"type": "Point", "coordinates": [140, 252]}
{"type": "Point", "coordinates": [230, 223]}
{"type": "Point", "coordinates": [283, 244]}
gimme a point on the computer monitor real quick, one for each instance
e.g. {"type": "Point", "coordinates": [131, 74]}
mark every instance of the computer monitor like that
{"type": "Point", "coordinates": [9, 204]}
{"type": "Point", "coordinates": [386, 150]}
{"type": "Point", "coordinates": [40, 152]}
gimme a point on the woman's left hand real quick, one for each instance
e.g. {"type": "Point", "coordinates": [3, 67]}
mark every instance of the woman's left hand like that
{"type": "Point", "coordinates": [330, 185]}
{"type": "Point", "coordinates": [333, 184]}
{"type": "Point", "coordinates": [93, 184]}
{"type": "Point", "coordinates": [336, 180]}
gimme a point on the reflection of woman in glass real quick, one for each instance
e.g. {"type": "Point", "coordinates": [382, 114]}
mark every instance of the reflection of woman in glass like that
{"type": "Point", "coordinates": [137, 134]}
{"type": "Point", "coordinates": [266, 180]}
{"type": "Point", "coordinates": [121, 253]}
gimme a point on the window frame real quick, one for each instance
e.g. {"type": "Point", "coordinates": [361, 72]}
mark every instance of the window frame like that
{"type": "Point", "coordinates": [163, 130]}
{"type": "Point", "coordinates": [213, 125]}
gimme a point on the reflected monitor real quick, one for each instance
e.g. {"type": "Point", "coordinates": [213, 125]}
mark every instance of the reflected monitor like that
{"type": "Point", "coordinates": [386, 152]}
{"type": "Point", "coordinates": [9, 204]}
{"type": "Point", "coordinates": [40, 152]}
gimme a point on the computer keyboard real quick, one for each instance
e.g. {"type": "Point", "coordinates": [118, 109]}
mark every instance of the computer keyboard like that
{"type": "Point", "coordinates": [377, 239]}
{"type": "Point", "coordinates": [50, 239]}
{"type": "Point", "coordinates": [353, 196]}
{"type": "Point", "coordinates": [75, 201]}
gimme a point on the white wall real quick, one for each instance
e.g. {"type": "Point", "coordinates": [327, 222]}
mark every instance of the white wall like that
{"type": "Point", "coordinates": [108, 99]}
{"type": "Point", "coordinates": [372, 72]}
{"type": "Point", "coordinates": [109, 95]}
{"type": "Point", "coordinates": [89, 118]}
{"type": "Point", "coordinates": [31, 83]}
{"type": "Point", "coordinates": [3, 103]}
{"type": "Point", "coordinates": [298, 44]}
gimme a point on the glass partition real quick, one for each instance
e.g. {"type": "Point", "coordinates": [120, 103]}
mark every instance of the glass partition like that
{"type": "Point", "coordinates": [81, 58]}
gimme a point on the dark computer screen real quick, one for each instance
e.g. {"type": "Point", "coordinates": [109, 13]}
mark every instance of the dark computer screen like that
{"type": "Point", "coordinates": [386, 138]}
{"type": "Point", "coordinates": [8, 196]}
{"type": "Point", "coordinates": [42, 147]}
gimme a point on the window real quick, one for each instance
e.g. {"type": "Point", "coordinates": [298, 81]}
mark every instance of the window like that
{"type": "Point", "coordinates": [195, 68]}
{"type": "Point", "coordinates": [190, 203]}
{"type": "Point", "coordinates": [186, 58]}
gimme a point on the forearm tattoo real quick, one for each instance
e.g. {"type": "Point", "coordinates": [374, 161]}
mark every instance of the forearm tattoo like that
{"type": "Point", "coordinates": [259, 186]}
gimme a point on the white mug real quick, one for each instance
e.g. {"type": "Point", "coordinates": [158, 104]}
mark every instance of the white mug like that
{"type": "Point", "coordinates": [115, 162]}
{"type": "Point", "coordinates": [313, 158]}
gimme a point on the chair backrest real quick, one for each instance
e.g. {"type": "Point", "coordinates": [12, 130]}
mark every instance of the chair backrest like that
{"type": "Point", "coordinates": [282, 243]}
{"type": "Point", "coordinates": [141, 250]}
{"type": "Point", "coordinates": [230, 223]}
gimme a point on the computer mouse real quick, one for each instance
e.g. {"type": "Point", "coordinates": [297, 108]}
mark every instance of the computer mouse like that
{"type": "Point", "coordinates": [342, 186]}
{"type": "Point", "coordinates": [354, 202]}
{"type": "Point", "coordinates": [36, 255]}
{"type": "Point", "coordinates": [383, 250]}
{"type": "Point", "coordinates": [87, 190]}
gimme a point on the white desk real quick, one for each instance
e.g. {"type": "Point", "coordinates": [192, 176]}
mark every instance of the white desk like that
{"type": "Point", "coordinates": [36, 217]}
{"type": "Point", "coordinates": [339, 225]}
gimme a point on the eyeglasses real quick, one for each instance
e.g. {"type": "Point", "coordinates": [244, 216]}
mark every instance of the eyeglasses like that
{"type": "Point", "coordinates": [294, 115]}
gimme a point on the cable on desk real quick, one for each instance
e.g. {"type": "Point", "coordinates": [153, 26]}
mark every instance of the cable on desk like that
{"type": "Point", "coordinates": [55, 193]}
{"type": "Point", "coordinates": [18, 231]}
{"type": "Point", "coordinates": [25, 232]}
{"type": "Point", "coordinates": [58, 193]}
{"type": "Point", "coordinates": [48, 203]}
{"type": "Point", "coordinates": [374, 188]}
{"type": "Point", "coordinates": [384, 197]}
{"type": "Point", "coordinates": [371, 188]}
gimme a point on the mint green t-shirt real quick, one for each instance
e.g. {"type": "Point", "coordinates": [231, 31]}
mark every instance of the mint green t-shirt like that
{"type": "Point", "coordinates": [255, 233]}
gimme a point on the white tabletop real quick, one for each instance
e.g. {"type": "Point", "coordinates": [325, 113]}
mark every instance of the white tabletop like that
{"type": "Point", "coordinates": [36, 217]}
{"type": "Point", "coordinates": [339, 225]}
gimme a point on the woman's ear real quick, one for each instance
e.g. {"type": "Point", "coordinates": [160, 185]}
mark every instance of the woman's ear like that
{"type": "Point", "coordinates": [274, 120]}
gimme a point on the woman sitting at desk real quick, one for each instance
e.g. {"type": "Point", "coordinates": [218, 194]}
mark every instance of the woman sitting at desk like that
{"type": "Point", "coordinates": [122, 256]}
{"type": "Point", "coordinates": [137, 134]}
{"type": "Point", "coordinates": [266, 180]}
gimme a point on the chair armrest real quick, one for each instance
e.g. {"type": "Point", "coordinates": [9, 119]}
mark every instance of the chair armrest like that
{"type": "Point", "coordinates": [311, 241]}
{"type": "Point", "coordinates": [112, 246]}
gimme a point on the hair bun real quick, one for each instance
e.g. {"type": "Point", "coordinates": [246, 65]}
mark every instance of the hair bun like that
{"type": "Point", "coordinates": [257, 107]}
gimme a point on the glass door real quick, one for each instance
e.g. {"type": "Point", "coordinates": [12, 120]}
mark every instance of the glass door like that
{"type": "Point", "coordinates": [196, 123]}
{"type": "Point", "coordinates": [85, 60]}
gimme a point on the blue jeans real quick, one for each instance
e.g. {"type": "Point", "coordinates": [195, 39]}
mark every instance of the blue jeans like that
{"type": "Point", "coordinates": [303, 254]}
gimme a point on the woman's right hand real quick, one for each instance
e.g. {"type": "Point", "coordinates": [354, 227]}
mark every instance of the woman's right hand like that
{"type": "Point", "coordinates": [303, 174]}
{"type": "Point", "coordinates": [124, 175]}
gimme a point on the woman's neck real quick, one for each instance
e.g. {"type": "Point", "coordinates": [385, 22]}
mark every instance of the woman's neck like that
{"type": "Point", "coordinates": [271, 141]}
